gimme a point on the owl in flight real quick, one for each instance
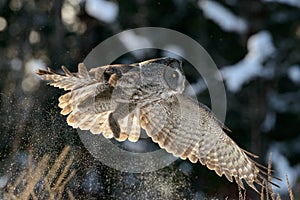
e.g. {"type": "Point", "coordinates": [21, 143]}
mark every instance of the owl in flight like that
{"type": "Point", "coordinates": [118, 100]}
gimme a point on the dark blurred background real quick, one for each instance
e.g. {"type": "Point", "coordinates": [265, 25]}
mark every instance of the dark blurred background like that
{"type": "Point", "coordinates": [255, 44]}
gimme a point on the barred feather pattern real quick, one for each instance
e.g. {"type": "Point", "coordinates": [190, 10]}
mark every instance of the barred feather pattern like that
{"type": "Point", "coordinates": [88, 103]}
{"type": "Point", "coordinates": [192, 131]}
{"type": "Point", "coordinates": [179, 124]}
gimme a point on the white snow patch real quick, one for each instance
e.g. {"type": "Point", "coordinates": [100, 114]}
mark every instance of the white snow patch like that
{"type": "Point", "coordinates": [294, 73]}
{"type": "Point", "coordinates": [32, 65]}
{"type": "Point", "coordinates": [222, 16]}
{"type": "Point", "coordinates": [283, 168]}
{"type": "Point", "coordinates": [133, 42]}
{"type": "Point", "coordinates": [31, 80]}
{"type": "Point", "coordinates": [260, 47]}
{"type": "Point", "coordinates": [269, 121]}
{"type": "Point", "coordinates": [196, 88]}
{"type": "Point", "coordinates": [173, 51]}
{"type": "Point", "coordinates": [295, 3]}
{"type": "Point", "coordinates": [3, 181]}
{"type": "Point", "coordinates": [106, 11]}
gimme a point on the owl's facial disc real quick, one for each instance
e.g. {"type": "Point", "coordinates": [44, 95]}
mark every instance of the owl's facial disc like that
{"type": "Point", "coordinates": [174, 79]}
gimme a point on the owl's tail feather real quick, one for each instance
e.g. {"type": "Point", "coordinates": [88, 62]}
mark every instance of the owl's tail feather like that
{"type": "Point", "coordinates": [84, 87]}
{"type": "Point", "coordinates": [68, 81]}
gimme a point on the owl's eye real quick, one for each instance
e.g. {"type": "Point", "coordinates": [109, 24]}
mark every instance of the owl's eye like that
{"type": "Point", "coordinates": [171, 77]}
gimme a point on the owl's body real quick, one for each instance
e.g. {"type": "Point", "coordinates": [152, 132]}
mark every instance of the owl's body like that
{"type": "Point", "coordinates": [119, 100]}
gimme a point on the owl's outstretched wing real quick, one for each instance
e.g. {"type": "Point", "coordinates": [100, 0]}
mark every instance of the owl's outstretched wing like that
{"type": "Point", "coordinates": [89, 103]}
{"type": "Point", "coordinates": [188, 129]}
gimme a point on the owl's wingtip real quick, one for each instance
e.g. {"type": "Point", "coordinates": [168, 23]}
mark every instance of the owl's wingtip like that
{"type": "Point", "coordinates": [41, 72]}
{"type": "Point", "coordinates": [49, 71]}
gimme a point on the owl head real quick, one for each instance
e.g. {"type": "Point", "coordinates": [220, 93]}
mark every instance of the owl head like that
{"type": "Point", "coordinates": [168, 72]}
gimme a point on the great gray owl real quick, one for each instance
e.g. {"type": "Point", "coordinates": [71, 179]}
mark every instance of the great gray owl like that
{"type": "Point", "coordinates": [119, 100]}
